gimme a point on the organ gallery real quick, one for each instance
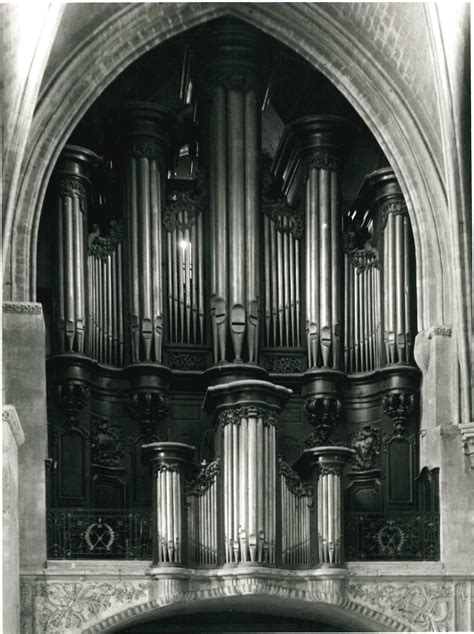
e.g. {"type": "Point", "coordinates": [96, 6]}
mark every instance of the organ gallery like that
{"type": "Point", "coordinates": [232, 315]}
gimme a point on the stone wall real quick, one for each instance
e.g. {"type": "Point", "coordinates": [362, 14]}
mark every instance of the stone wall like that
{"type": "Point", "coordinates": [92, 598]}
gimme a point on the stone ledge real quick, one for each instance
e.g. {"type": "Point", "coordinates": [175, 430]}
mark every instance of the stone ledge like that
{"type": "Point", "coordinates": [10, 416]}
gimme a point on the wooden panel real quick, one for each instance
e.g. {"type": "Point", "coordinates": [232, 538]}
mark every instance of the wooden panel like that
{"type": "Point", "coordinates": [364, 493]}
{"type": "Point", "coordinates": [399, 471]}
{"type": "Point", "coordinates": [108, 491]}
{"type": "Point", "coordinates": [71, 468]}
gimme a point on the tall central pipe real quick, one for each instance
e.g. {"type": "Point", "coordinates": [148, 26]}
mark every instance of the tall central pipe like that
{"type": "Point", "coordinates": [234, 134]}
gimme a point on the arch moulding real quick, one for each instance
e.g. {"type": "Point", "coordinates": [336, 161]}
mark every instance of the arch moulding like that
{"type": "Point", "coordinates": [311, 31]}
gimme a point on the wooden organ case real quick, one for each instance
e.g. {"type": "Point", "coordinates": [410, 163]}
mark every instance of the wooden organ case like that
{"type": "Point", "coordinates": [232, 375]}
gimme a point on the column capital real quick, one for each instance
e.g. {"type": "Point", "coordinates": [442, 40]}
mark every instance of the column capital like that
{"type": "Point", "coordinates": [74, 171]}
{"type": "Point", "coordinates": [245, 398]}
{"type": "Point", "coordinates": [231, 49]}
{"type": "Point", "coordinates": [381, 192]}
{"type": "Point", "coordinates": [168, 456]}
{"type": "Point", "coordinates": [148, 130]}
{"type": "Point", "coordinates": [319, 139]}
{"type": "Point", "coordinates": [332, 457]}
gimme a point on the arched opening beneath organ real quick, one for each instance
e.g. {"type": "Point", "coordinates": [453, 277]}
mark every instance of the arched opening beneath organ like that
{"type": "Point", "coordinates": [217, 240]}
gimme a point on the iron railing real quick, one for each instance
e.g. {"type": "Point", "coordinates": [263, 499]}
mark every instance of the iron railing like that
{"type": "Point", "coordinates": [99, 534]}
{"type": "Point", "coordinates": [410, 536]}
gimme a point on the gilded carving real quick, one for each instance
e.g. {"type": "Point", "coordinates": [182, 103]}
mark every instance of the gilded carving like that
{"type": "Point", "coordinates": [323, 413]}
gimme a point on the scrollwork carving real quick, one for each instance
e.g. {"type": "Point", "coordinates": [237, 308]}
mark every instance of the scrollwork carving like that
{"type": "Point", "coordinates": [394, 205]}
{"type": "Point", "coordinates": [399, 406]}
{"type": "Point", "coordinates": [183, 207]}
{"type": "Point", "coordinates": [103, 246]}
{"type": "Point", "coordinates": [234, 414]}
{"type": "Point", "coordinates": [323, 413]}
{"type": "Point", "coordinates": [205, 478]}
{"type": "Point", "coordinates": [287, 218]}
{"type": "Point", "coordinates": [75, 189]}
{"type": "Point", "coordinates": [72, 397]}
{"type": "Point", "coordinates": [366, 443]}
{"type": "Point", "coordinates": [148, 408]}
{"type": "Point", "coordinates": [107, 442]}
{"type": "Point", "coordinates": [282, 364]}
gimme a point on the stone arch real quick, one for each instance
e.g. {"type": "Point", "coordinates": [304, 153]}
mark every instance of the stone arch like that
{"type": "Point", "coordinates": [343, 614]}
{"type": "Point", "coordinates": [312, 32]}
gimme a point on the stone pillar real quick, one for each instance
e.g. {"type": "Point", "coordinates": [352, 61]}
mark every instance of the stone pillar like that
{"type": "Point", "coordinates": [72, 186]}
{"type": "Point", "coordinates": [13, 437]}
{"type": "Point", "coordinates": [169, 461]}
{"type": "Point", "coordinates": [148, 132]}
{"type": "Point", "coordinates": [234, 147]}
{"type": "Point", "coordinates": [319, 142]}
{"type": "Point", "coordinates": [328, 465]}
{"type": "Point", "coordinates": [245, 413]}
{"type": "Point", "coordinates": [398, 262]}
{"type": "Point", "coordinates": [24, 379]}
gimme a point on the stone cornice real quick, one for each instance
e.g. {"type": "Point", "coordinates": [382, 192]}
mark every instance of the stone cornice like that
{"type": "Point", "coordinates": [10, 416]}
{"type": "Point", "coordinates": [23, 308]}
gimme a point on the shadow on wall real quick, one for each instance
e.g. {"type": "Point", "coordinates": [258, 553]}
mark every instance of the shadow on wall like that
{"type": "Point", "coordinates": [229, 621]}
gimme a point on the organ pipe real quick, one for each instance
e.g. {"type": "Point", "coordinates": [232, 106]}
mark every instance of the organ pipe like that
{"type": "Point", "coordinates": [148, 131]}
{"type": "Point", "coordinates": [234, 147]}
{"type": "Point", "coordinates": [319, 141]}
{"type": "Point", "coordinates": [73, 193]}
{"type": "Point", "coordinates": [169, 462]}
{"type": "Point", "coordinates": [296, 504]}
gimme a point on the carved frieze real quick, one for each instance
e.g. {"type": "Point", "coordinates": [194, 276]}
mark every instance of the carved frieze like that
{"type": "Point", "coordinates": [25, 308]}
{"type": "Point", "coordinates": [399, 406]}
{"type": "Point", "coordinates": [190, 361]}
{"type": "Point", "coordinates": [323, 413]}
{"type": "Point", "coordinates": [282, 364]}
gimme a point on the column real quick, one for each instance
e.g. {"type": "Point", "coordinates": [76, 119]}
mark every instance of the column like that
{"type": "Point", "coordinates": [72, 187]}
{"type": "Point", "coordinates": [398, 262]}
{"type": "Point", "coordinates": [147, 131]}
{"type": "Point", "coordinates": [234, 148]}
{"type": "Point", "coordinates": [169, 462]}
{"type": "Point", "coordinates": [319, 140]}
{"type": "Point", "coordinates": [328, 465]}
{"type": "Point", "coordinates": [245, 414]}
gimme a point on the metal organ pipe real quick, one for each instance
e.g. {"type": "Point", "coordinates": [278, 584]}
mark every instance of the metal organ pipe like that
{"type": "Point", "coordinates": [73, 182]}
{"type": "Point", "coordinates": [234, 147]}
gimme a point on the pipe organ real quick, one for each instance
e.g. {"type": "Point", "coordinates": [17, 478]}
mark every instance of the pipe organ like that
{"type": "Point", "coordinates": [203, 273]}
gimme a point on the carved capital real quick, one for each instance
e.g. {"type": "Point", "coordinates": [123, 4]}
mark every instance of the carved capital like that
{"type": "Point", "coordinates": [323, 413]}
{"type": "Point", "coordinates": [322, 160]}
{"type": "Point", "coordinates": [324, 470]}
{"type": "Point", "coordinates": [146, 148]}
{"type": "Point", "coordinates": [395, 205]}
{"type": "Point", "coordinates": [182, 207]}
{"type": "Point", "coordinates": [72, 397]}
{"type": "Point", "coordinates": [467, 437]}
{"type": "Point", "coordinates": [162, 467]}
{"type": "Point", "coordinates": [234, 414]}
{"type": "Point", "coordinates": [399, 406]}
{"type": "Point", "coordinates": [75, 189]}
{"type": "Point", "coordinates": [149, 408]}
